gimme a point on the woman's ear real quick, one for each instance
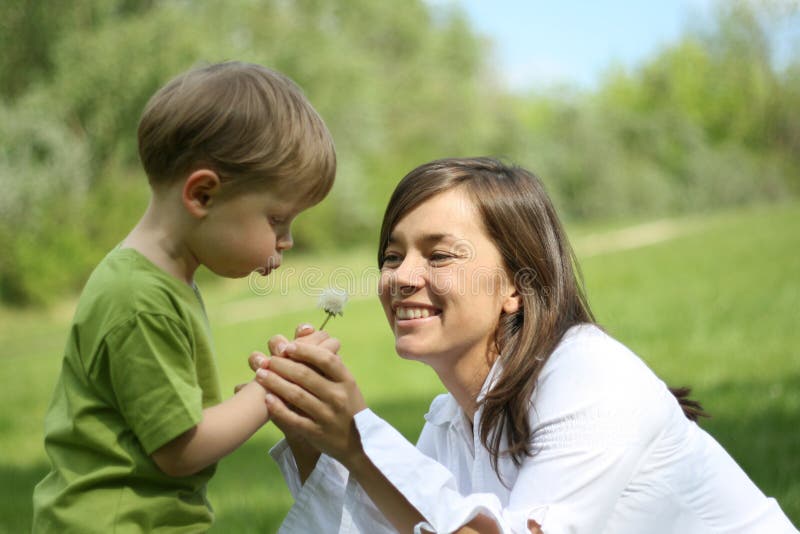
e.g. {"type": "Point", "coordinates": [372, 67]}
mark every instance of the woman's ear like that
{"type": "Point", "coordinates": [512, 302]}
{"type": "Point", "coordinates": [199, 191]}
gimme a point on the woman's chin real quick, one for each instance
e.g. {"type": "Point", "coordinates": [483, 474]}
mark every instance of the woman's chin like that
{"type": "Point", "coordinates": [408, 351]}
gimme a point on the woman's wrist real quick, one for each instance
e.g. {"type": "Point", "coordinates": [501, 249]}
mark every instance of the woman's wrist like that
{"type": "Point", "coordinates": [358, 463]}
{"type": "Point", "coordinates": [305, 456]}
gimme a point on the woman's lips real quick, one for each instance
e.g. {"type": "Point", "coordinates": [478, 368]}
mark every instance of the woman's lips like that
{"type": "Point", "coordinates": [413, 312]}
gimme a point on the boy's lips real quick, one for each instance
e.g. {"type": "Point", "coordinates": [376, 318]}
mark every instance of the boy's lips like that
{"type": "Point", "coordinates": [268, 268]}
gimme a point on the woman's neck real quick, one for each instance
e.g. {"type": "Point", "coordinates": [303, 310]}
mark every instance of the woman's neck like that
{"type": "Point", "coordinates": [464, 379]}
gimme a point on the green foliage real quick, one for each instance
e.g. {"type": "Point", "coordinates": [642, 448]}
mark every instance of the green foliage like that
{"type": "Point", "coordinates": [43, 177]}
{"type": "Point", "coordinates": [706, 122]}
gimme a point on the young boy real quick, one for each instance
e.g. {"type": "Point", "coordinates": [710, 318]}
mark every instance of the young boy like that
{"type": "Point", "coordinates": [233, 152]}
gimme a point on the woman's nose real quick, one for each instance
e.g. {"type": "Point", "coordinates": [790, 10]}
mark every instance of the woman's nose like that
{"type": "Point", "coordinates": [409, 274]}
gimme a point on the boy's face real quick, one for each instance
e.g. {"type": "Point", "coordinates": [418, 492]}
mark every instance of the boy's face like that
{"type": "Point", "coordinates": [246, 233]}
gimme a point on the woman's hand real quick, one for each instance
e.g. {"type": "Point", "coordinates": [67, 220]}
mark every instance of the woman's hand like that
{"type": "Point", "coordinates": [305, 455]}
{"type": "Point", "coordinates": [314, 396]}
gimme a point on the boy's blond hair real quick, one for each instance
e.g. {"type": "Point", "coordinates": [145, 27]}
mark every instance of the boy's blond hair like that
{"type": "Point", "coordinates": [251, 125]}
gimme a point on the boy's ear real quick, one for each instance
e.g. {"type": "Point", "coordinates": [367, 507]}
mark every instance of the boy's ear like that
{"type": "Point", "coordinates": [199, 191]}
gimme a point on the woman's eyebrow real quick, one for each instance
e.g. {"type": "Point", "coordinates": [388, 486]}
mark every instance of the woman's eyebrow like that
{"type": "Point", "coordinates": [425, 238]}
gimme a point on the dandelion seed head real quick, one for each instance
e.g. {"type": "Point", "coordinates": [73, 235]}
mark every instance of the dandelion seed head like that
{"type": "Point", "coordinates": [332, 300]}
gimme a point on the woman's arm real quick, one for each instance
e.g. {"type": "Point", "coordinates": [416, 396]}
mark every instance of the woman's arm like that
{"type": "Point", "coordinates": [322, 413]}
{"type": "Point", "coordinates": [325, 398]}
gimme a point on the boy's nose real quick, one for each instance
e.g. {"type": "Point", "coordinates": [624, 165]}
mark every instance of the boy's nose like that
{"type": "Point", "coordinates": [285, 242]}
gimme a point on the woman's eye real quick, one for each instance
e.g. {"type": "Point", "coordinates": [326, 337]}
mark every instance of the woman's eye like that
{"type": "Point", "coordinates": [440, 257]}
{"type": "Point", "coordinates": [391, 259]}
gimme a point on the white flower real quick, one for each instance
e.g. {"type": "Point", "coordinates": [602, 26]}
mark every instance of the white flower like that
{"type": "Point", "coordinates": [332, 301]}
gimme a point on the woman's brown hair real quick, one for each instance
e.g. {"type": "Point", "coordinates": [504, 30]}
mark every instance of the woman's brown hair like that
{"type": "Point", "coordinates": [521, 221]}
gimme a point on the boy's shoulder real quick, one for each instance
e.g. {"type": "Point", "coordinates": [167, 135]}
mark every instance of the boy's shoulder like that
{"type": "Point", "coordinates": [126, 283]}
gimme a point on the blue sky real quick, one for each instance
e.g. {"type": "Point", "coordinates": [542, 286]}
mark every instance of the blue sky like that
{"type": "Point", "coordinates": [547, 42]}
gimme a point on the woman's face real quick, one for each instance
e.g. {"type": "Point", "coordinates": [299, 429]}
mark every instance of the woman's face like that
{"type": "Point", "coordinates": [443, 285]}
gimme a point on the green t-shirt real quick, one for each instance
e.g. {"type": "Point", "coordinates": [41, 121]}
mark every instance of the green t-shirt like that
{"type": "Point", "coordinates": [138, 370]}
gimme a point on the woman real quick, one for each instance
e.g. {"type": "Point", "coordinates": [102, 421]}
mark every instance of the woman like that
{"type": "Point", "coordinates": [548, 422]}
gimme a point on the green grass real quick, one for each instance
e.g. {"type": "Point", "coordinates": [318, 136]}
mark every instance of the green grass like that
{"type": "Point", "coordinates": [716, 307]}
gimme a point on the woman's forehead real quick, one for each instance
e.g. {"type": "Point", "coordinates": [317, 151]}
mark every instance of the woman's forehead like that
{"type": "Point", "coordinates": [450, 215]}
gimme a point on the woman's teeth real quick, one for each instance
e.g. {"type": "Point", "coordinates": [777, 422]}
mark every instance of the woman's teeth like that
{"type": "Point", "coordinates": [413, 313]}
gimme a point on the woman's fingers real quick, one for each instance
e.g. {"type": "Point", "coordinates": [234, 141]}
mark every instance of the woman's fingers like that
{"type": "Point", "coordinates": [329, 363]}
{"type": "Point", "coordinates": [257, 360]}
{"type": "Point", "coordinates": [303, 329]}
{"type": "Point", "coordinates": [322, 374]}
{"type": "Point", "coordinates": [313, 338]}
{"type": "Point", "coordinates": [287, 420]}
{"type": "Point", "coordinates": [331, 344]}
{"type": "Point", "coordinates": [291, 389]}
{"type": "Point", "coordinates": [301, 374]}
{"type": "Point", "coordinates": [276, 344]}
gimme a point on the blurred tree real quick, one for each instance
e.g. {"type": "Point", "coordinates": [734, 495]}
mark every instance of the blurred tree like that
{"type": "Point", "coordinates": [708, 121]}
{"type": "Point", "coordinates": [31, 30]}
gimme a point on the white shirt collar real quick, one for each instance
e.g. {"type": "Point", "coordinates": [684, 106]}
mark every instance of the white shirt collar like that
{"type": "Point", "coordinates": [445, 410]}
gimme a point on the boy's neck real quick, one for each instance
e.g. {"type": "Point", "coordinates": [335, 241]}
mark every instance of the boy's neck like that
{"type": "Point", "coordinates": [160, 237]}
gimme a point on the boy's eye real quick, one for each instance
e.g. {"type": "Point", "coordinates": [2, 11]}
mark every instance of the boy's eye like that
{"type": "Point", "coordinates": [276, 220]}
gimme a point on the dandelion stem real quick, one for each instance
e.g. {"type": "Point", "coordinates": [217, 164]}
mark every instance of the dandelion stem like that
{"type": "Point", "coordinates": [326, 321]}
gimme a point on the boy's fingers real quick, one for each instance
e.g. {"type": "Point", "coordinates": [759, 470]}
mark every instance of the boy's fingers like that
{"type": "Point", "coordinates": [257, 360]}
{"type": "Point", "coordinates": [276, 344]}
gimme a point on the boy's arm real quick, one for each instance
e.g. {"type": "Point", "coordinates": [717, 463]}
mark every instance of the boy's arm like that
{"type": "Point", "coordinates": [224, 427]}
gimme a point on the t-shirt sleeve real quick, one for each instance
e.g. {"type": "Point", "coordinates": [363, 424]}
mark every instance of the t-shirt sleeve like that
{"type": "Point", "coordinates": [154, 379]}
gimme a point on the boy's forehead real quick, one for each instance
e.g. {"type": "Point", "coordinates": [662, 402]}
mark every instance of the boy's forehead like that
{"type": "Point", "coordinates": [296, 198]}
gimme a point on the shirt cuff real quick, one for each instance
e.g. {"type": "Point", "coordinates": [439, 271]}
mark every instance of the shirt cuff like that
{"type": "Point", "coordinates": [318, 502]}
{"type": "Point", "coordinates": [327, 470]}
{"type": "Point", "coordinates": [282, 455]}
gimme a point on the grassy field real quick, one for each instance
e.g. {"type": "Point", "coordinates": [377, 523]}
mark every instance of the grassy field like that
{"type": "Point", "coordinates": [714, 304]}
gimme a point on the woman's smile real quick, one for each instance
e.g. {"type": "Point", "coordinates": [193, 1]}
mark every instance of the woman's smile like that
{"type": "Point", "coordinates": [410, 312]}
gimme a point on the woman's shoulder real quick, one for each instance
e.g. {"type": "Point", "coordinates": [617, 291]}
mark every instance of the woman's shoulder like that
{"type": "Point", "coordinates": [591, 372]}
{"type": "Point", "coordinates": [588, 353]}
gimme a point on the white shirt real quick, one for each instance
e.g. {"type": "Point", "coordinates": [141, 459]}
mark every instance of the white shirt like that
{"type": "Point", "coordinates": [613, 454]}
